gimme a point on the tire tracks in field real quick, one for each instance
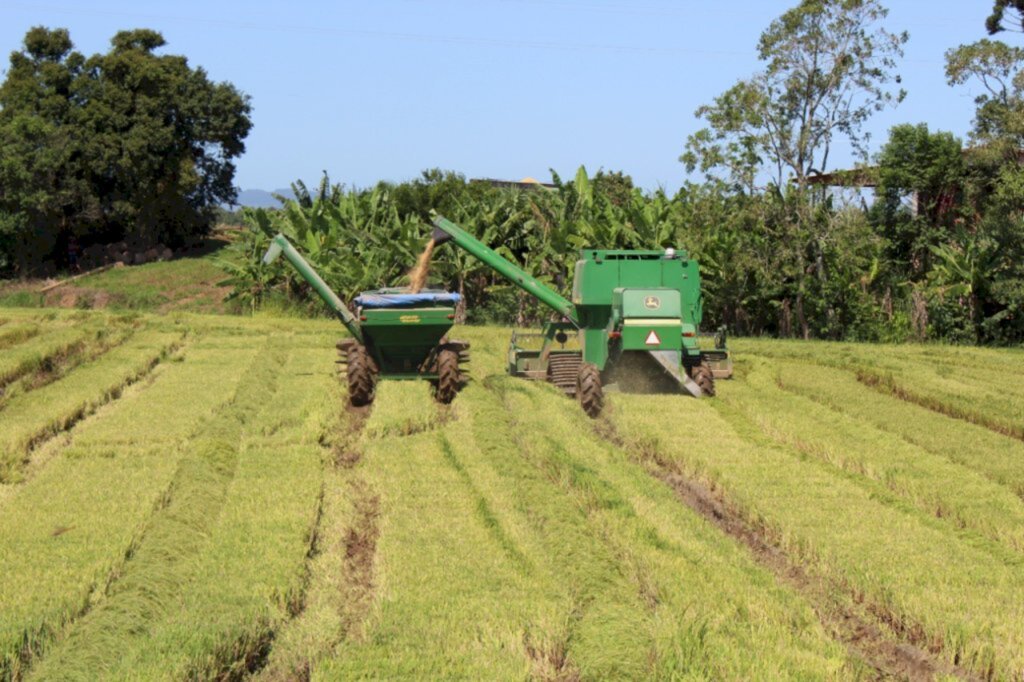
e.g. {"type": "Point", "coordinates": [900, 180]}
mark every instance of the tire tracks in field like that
{"type": "Point", "coordinates": [13, 472]}
{"type": "Point", "coordinates": [340, 579]}
{"type": "Point", "coordinates": [157, 565]}
{"type": "Point", "coordinates": [56, 365]}
{"type": "Point", "coordinates": [859, 631]}
{"type": "Point", "coordinates": [361, 535]}
{"type": "Point", "coordinates": [890, 386]}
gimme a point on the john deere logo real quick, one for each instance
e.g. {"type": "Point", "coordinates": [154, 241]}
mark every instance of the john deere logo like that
{"type": "Point", "coordinates": [652, 302]}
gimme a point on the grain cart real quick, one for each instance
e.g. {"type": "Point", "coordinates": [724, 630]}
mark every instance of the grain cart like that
{"type": "Point", "coordinates": [395, 334]}
{"type": "Point", "coordinates": [632, 322]}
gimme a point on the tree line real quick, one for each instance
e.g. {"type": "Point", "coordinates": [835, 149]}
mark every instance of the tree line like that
{"type": "Point", "coordinates": [925, 240]}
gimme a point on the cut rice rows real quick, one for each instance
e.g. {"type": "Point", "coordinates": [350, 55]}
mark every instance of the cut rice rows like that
{"type": "Point", "coordinates": [190, 497]}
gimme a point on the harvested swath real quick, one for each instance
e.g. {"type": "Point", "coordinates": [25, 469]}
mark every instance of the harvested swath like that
{"type": "Point", "coordinates": [164, 560]}
{"type": "Point", "coordinates": [103, 486]}
{"type": "Point", "coordinates": [932, 483]}
{"type": "Point", "coordinates": [250, 576]}
{"type": "Point", "coordinates": [999, 458]}
{"type": "Point", "coordinates": [993, 410]}
{"type": "Point", "coordinates": [604, 586]}
{"type": "Point", "coordinates": [440, 585]}
{"type": "Point", "coordinates": [31, 418]}
{"type": "Point", "coordinates": [12, 335]}
{"type": "Point", "coordinates": [395, 418]}
{"type": "Point", "coordinates": [26, 357]}
{"type": "Point", "coordinates": [336, 579]}
{"type": "Point", "coordinates": [909, 373]}
{"type": "Point", "coordinates": [950, 595]}
{"type": "Point", "coordinates": [737, 607]}
{"type": "Point", "coordinates": [868, 641]}
{"type": "Point", "coordinates": [54, 366]}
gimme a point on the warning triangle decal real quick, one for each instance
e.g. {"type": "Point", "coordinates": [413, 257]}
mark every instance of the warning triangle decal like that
{"type": "Point", "coordinates": [652, 339]}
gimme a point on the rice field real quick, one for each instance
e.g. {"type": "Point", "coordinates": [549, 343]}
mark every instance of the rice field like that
{"type": "Point", "coordinates": [189, 497]}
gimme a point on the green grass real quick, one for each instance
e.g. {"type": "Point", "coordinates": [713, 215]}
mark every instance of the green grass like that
{"type": "Point", "coordinates": [184, 284]}
{"type": "Point", "coordinates": [69, 528]}
{"type": "Point", "coordinates": [221, 515]}
{"type": "Point", "coordinates": [957, 593]}
{"type": "Point", "coordinates": [32, 417]}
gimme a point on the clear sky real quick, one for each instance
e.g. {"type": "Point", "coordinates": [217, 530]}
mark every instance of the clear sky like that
{"type": "Point", "coordinates": [381, 89]}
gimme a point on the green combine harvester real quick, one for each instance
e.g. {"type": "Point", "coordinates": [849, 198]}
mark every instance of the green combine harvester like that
{"type": "Point", "coordinates": [395, 334]}
{"type": "Point", "coordinates": [633, 322]}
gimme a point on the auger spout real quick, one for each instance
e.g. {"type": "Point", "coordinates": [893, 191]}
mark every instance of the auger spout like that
{"type": "Point", "coordinates": [446, 230]}
{"type": "Point", "coordinates": [280, 245]}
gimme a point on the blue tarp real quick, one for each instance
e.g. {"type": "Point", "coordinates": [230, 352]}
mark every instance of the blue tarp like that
{"type": "Point", "coordinates": [420, 300]}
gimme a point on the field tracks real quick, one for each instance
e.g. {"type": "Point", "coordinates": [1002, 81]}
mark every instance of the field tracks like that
{"type": "Point", "coordinates": [338, 579]}
{"type": "Point", "coordinates": [867, 639]}
{"type": "Point", "coordinates": [886, 383]}
{"type": "Point", "coordinates": [981, 450]}
{"type": "Point", "coordinates": [76, 394]}
{"type": "Point", "coordinates": [159, 563]}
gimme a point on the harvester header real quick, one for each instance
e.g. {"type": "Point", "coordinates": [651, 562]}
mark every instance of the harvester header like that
{"type": "Point", "coordinates": [445, 230]}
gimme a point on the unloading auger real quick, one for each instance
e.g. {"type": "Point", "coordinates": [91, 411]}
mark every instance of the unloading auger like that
{"type": "Point", "coordinates": [633, 322]}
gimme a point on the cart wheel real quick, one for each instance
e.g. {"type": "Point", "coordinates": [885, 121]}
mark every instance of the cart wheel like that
{"type": "Point", "coordinates": [589, 390]}
{"type": "Point", "coordinates": [362, 381]}
{"type": "Point", "coordinates": [704, 378]}
{"type": "Point", "coordinates": [448, 377]}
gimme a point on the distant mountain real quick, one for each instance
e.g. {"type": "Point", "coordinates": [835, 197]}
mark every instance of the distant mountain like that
{"type": "Point", "coordinates": [261, 198]}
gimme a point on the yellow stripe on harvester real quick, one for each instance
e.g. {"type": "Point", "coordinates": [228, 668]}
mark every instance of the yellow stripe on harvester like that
{"type": "Point", "coordinates": [651, 322]}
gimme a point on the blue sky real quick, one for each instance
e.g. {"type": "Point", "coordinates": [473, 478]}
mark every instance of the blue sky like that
{"type": "Point", "coordinates": [381, 89]}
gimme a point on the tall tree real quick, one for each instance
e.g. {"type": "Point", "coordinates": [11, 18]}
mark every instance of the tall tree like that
{"type": "Point", "coordinates": [126, 143]}
{"type": "Point", "coordinates": [40, 172]}
{"type": "Point", "coordinates": [828, 66]}
{"type": "Point", "coordinates": [1006, 15]}
{"type": "Point", "coordinates": [987, 252]}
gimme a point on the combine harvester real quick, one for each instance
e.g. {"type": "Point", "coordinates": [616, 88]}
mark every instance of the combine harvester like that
{"type": "Point", "coordinates": [635, 317]}
{"type": "Point", "coordinates": [395, 334]}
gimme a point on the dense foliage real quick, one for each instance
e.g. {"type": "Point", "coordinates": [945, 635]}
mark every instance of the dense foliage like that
{"type": "Point", "coordinates": [935, 253]}
{"type": "Point", "coordinates": [124, 145]}
{"type": "Point", "coordinates": [888, 278]}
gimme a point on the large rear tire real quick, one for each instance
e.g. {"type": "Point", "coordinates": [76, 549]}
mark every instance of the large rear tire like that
{"type": "Point", "coordinates": [362, 379]}
{"type": "Point", "coordinates": [449, 379]}
{"type": "Point", "coordinates": [705, 378]}
{"type": "Point", "coordinates": [589, 390]}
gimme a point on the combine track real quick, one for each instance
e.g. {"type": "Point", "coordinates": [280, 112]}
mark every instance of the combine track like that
{"type": "Point", "coordinates": [855, 629]}
{"type": "Point", "coordinates": [564, 371]}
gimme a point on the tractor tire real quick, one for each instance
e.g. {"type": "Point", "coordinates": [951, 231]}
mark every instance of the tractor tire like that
{"type": "Point", "coordinates": [705, 378]}
{"type": "Point", "coordinates": [589, 391]}
{"type": "Point", "coordinates": [449, 379]}
{"type": "Point", "coordinates": [362, 379]}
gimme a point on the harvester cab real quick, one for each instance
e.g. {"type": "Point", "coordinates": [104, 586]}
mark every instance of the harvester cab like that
{"type": "Point", "coordinates": [633, 323]}
{"type": "Point", "coordinates": [395, 334]}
